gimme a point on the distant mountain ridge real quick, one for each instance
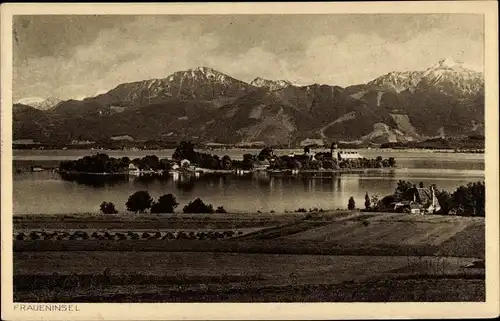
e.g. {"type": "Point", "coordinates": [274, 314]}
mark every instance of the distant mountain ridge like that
{"type": "Point", "coordinates": [446, 99]}
{"type": "Point", "coordinates": [200, 83]}
{"type": "Point", "coordinates": [40, 103]}
{"type": "Point", "coordinates": [272, 85]}
{"type": "Point", "coordinates": [448, 75]}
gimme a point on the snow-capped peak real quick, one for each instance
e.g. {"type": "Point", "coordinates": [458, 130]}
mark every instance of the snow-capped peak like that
{"type": "Point", "coordinates": [270, 84]}
{"type": "Point", "coordinates": [448, 63]}
{"type": "Point", "coordinates": [448, 75]}
{"type": "Point", "coordinates": [29, 100]}
{"type": "Point", "coordinates": [454, 65]}
{"type": "Point", "coordinates": [200, 73]}
{"type": "Point", "coordinates": [39, 103]}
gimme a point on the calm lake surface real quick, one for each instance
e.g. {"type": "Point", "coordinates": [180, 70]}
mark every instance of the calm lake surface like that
{"type": "Point", "coordinates": [46, 192]}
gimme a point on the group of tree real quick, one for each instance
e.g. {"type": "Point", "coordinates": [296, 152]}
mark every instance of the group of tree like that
{"type": "Point", "coordinates": [103, 163]}
{"type": "Point", "coordinates": [142, 202]}
{"type": "Point", "coordinates": [99, 163]}
{"type": "Point", "coordinates": [152, 162]}
{"type": "Point", "coordinates": [286, 162]}
{"type": "Point", "coordinates": [185, 150]}
{"type": "Point", "coordinates": [471, 141]}
{"type": "Point", "coordinates": [466, 200]}
{"type": "Point", "coordinates": [246, 164]}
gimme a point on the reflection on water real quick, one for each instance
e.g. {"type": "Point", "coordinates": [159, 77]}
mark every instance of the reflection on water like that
{"type": "Point", "coordinates": [47, 192]}
{"type": "Point", "coordinates": [95, 181]}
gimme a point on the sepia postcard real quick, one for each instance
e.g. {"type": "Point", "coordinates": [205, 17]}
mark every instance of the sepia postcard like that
{"type": "Point", "coordinates": [219, 161]}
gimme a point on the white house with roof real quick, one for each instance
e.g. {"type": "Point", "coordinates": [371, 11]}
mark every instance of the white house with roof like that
{"type": "Point", "coordinates": [341, 155]}
{"type": "Point", "coordinates": [133, 169]}
{"type": "Point", "coordinates": [185, 163]}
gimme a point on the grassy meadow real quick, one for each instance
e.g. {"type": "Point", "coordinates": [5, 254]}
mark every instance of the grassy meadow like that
{"type": "Point", "coordinates": [339, 256]}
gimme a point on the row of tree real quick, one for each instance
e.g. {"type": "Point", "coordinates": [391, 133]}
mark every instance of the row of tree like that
{"type": "Point", "coordinates": [103, 163]}
{"type": "Point", "coordinates": [142, 202]}
{"type": "Point", "coordinates": [286, 162]}
{"type": "Point", "coordinates": [204, 160]}
{"type": "Point", "coordinates": [466, 200]}
{"type": "Point", "coordinates": [99, 163]}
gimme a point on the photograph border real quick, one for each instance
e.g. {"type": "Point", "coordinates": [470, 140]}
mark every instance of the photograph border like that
{"type": "Point", "coordinates": [269, 311]}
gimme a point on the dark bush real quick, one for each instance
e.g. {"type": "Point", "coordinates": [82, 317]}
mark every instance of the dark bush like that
{"type": "Point", "coordinates": [367, 202]}
{"type": "Point", "coordinates": [197, 206]}
{"type": "Point", "coordinates": [108, 208]}
{"type": "Point", "coordinates": [120, 236]}
{"type": "Point", "coordinates": [165, 204]}
{"type": "Point", "coordinates": [220, 209]}
{"type": "Point", "coordinates": [351, 205]}
{"type": "Point", "coordinates": [139, 202]}
{"type": "Point", "coordinates": [34, 236]}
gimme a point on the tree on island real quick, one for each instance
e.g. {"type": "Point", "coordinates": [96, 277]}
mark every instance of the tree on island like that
{"type": "Point", "coordinates": [265, 153]}
{"type": "Point", "coordinates": [185, 151]}
{"type": "Point", "coordinates": [367, 202]}
{"type": "Point", "coordinates": [165, 204]}
{"type": "Point", "coordinates": [99, 163]}
{"type": "Point", "coordinates": [197, 206]}
{"type": "Point", "coordinates": [108, 208]}
{"type": "Point", "coordinates": [139, 202]}
{"type": "Point", "coordinates": [247, 163]}
{"type": "Point", "coordinates": [226, 162]}
{"type": "Point", "coordinates": [352, 204]}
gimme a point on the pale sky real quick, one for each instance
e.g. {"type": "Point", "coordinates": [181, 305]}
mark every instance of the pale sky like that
{"type": "Point", "coordinates": [80, 56]}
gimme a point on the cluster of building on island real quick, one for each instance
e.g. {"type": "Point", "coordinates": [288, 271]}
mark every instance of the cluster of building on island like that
{"type": "Point", "coordinates": [266, 160]}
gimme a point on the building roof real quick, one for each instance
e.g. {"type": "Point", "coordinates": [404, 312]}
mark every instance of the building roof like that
{"type": "Point", "coordinates": [312, 142]}
{"type": "Point", "coordinates": [424, 195]}
{"type": "Point", "coordinates": [264, 162]}
{"type": "Point", "coordinates": [349, 155]}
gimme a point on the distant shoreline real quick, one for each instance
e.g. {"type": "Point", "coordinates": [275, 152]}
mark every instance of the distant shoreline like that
{"type": "Point", "coordinates": [233, 171]}
{"type": "Point", "coordinates": [436, 150]}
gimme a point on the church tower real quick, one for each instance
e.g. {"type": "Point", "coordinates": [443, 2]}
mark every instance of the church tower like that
{"type": "Point", "coordinates": [334, 149]}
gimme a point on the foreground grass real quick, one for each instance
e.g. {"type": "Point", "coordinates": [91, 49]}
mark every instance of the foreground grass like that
{"type": "Point", "coordinates": [393, 290]}
{"type": "Point", "coordinates": [149, 221]}
{"type": "Point", "coordinates": [250, 246]}
{"type": "Point", "coordinates": [340, 256]}
{"type": "Point", "coordinates": [231, 277]}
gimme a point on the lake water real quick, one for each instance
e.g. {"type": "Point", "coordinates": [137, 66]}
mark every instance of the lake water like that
{"type": "Point", "coordinates": [46, 192]}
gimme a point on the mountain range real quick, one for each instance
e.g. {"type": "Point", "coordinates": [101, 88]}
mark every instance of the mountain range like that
{"type": "Point", "coordinates": [446, 99]}
{"type": "Point", "coordinates": [39, 103]}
